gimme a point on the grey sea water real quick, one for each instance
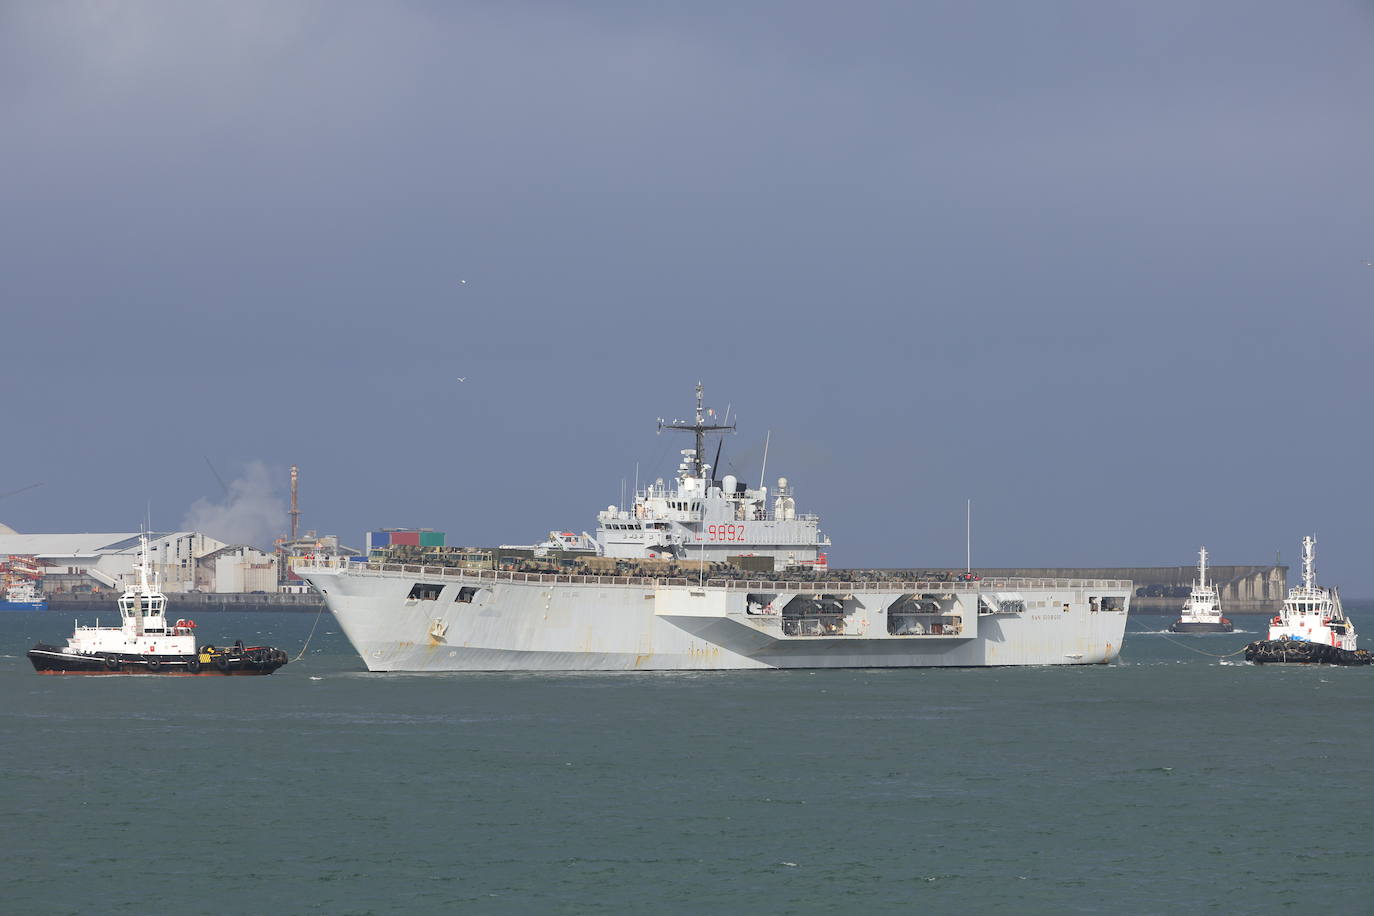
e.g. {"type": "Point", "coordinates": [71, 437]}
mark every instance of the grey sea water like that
{"type": "Point", "coordinates": [1172, 781]}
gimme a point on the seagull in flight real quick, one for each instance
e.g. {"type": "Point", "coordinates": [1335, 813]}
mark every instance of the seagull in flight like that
{"type": "Point", "coordinates": [464, 379]}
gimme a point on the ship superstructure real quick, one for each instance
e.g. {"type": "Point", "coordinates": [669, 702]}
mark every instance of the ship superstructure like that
{"type": "Point", "coordinates": [1202, 611]}
{"type": "Point", "coordinates": [1311, 613]}
{"type": "Point", "coordinates": [700, 516]}
{"type": "Point", "coordinates": [404, 616]}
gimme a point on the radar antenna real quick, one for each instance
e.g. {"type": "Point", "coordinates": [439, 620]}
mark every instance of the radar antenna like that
{"type": "Point", "coordinates": [701, 428]}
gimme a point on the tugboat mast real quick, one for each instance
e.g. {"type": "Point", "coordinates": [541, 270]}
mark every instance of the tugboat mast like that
{"type": "Point", "coordinates": [701, 428]}
{"type": "Point", "coordinates": [1309, 561]}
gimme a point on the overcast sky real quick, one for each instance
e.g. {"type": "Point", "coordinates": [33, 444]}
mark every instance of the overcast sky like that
{"type": "Point", "coordinates": [1098, 267]}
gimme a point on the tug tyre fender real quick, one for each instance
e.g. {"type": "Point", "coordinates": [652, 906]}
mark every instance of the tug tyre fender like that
{"type": "Point", "coordinates": [193, 664]}
{"type": "Point", "coordinates": [222, 662]}
{"type": "Point", "coordinates": [154, 664]}
{"type": "Point", "coordinates": [112, 662]}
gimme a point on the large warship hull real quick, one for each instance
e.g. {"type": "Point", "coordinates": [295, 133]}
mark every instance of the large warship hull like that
{"type": "Point", "coordinates": [471, 620]}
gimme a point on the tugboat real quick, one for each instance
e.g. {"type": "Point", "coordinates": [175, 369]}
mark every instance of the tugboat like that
{"type": "Point", "coordinates": [145, 644]}
{"type": "Point", "coordinates": [1312, 628]}
{"type": "Point", "coordinates": [1201, 613]}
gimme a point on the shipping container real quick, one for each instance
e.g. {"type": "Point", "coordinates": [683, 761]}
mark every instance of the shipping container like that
{"type": "Point", "coordinates": [379, 539]}
{"type": "Point", "coordinates": [431, 539]}
{"type": "Point", "coordinates": [405, 538]}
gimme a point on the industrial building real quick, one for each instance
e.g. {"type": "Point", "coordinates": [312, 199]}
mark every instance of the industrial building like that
{"type": "Point", "coordinates": [237, 568]}
{"type": "Point", "coordinates": [182, 561]}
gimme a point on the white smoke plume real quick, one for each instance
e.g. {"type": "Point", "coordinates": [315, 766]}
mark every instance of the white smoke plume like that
{"type": "Point", "coordinates": [251, 513]}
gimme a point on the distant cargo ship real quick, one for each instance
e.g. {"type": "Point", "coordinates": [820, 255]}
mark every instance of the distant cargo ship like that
{"type": "Point", "coordinates": [409, 616]}
{"type": "Point", "coordinates": [19, 578]}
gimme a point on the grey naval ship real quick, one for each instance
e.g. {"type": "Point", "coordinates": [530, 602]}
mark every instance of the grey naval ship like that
{"type": "Point", "coordinates": [416, 617]}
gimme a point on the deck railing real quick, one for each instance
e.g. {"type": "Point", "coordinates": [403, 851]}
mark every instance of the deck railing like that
{"type": "Point", "coordinates": [751, 585]}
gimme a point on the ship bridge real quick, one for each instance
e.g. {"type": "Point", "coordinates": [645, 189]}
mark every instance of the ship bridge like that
{"type": "Point", "coordinates": [697, 516]}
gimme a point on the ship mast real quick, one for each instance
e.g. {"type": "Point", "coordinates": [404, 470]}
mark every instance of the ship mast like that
{"type": "Point", "coordinates": [141, 600]}
{"type": "Point", "coordinates": [1202, 567]}
{"type": "Point", "coordinates": [295, 512]}
{"type": "Point", "coordinates": [701, 428]}
{"type": "Point", "coordinates": [1309, 561]}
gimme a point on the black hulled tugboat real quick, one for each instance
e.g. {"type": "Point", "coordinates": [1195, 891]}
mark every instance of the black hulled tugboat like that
{"type": "Point", "coordinates": [145, 644]}
{"type": "Point", "coordinates": [1312, 628]}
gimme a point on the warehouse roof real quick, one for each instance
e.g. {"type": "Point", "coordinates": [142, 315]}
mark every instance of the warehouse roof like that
{"type": "Point", "coordinates": [72, 545]}
{"type": "Point", "coordinates": [63, 545]}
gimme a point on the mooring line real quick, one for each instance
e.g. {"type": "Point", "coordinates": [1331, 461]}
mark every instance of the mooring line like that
{"type": "Point", "coordinates": [318, 615]}
{"type": "Point", "coordinates": [1208, 654]}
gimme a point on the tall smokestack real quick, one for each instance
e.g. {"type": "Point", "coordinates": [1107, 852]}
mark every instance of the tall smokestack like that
{"type": "Point", "coordinates": [295, 511]}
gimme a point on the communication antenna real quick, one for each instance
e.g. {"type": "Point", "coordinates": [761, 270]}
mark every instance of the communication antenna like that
{"type": "Point", "coordinates": [295, 510]}
{"type": "Point", "coordinates": [763, 471]}
{"type": "Point", "coordinates": [701, 428]}
{"type": "Point", "coordinates": [968, 536]}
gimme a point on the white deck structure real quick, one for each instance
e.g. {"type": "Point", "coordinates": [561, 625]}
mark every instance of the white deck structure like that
{"type": "Point", "coordinates": [1311, 613]}
{"type": "Point", "coordinates": [1202, 611]}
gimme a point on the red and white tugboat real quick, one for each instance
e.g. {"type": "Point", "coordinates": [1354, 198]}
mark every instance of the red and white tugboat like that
{"type": "Point", "coordinates": [145, 644]}
{"type": "Point", "coordinates": [1201, 613]}
{"type": "Point", "coordinates": [1311, 628]}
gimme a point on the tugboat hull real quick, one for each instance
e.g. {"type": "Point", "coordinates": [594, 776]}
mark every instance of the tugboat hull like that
{"type": "Point", "coordinates": [1180, 626]}
{"type": "Point", "coordinates": [1298, 652]}
{"type": "Point", "coordinates": [209, 662]}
